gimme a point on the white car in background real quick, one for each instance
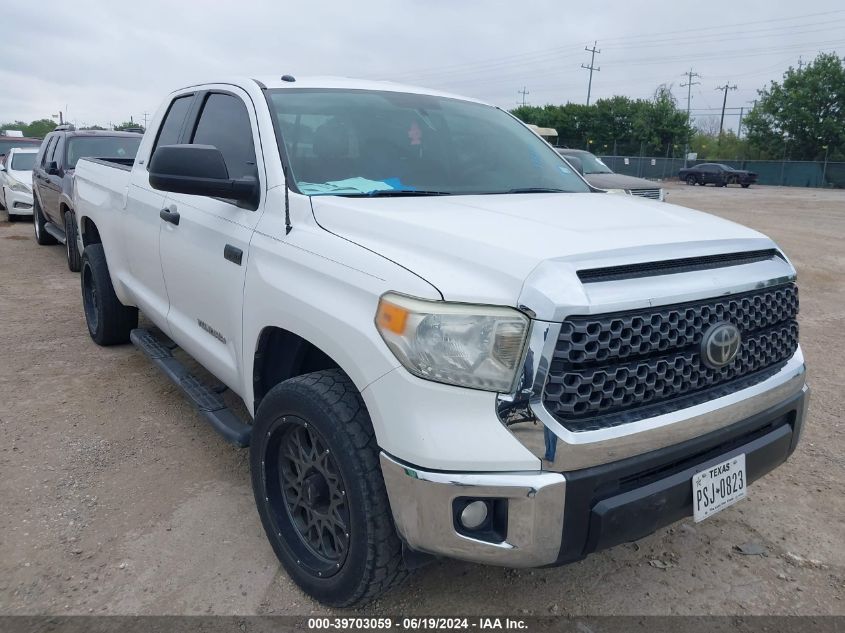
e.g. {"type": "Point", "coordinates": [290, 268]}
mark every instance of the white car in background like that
{"type": "Point", "coordinates": [16, 181]}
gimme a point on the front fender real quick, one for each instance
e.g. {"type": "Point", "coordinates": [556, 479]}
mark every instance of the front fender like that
{"type": "Point", "coordinates": [326, 290]}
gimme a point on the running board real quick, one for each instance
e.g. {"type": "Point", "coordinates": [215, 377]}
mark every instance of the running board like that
{"type": "Point", "coordinates": [206, 399]}
{"type": "Point", "coordinates": [56, 232]}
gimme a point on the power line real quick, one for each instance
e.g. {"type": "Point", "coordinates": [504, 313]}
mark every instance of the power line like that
{"type": "Point", "coordinates": [638, 41]}
{"type": "Point", "coordinates": [726, 87]}
{"type": "Point", "coordinates": [591, 68]}
{"type": "Point", "coordinates": [523, 92]}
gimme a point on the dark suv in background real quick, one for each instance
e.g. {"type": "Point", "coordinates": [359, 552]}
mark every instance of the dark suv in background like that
{"type": "Point", "coordinates": [52, 209]}
{"type": "Point", "coordinates": [10, 142]}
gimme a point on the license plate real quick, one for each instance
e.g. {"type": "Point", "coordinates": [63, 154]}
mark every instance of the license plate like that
{"type": "Point", "coordinates": [718, 487]}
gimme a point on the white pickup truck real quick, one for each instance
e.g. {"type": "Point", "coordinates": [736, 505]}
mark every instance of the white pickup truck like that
{"type": "Point", "coordinates": [448, 343]}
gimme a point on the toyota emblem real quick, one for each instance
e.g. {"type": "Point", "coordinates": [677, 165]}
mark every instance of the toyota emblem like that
{"type": "Point", "coordinates": [720, 344]}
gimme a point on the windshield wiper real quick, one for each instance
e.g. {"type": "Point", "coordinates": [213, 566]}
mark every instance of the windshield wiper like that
{"type": "Point", "coordinates": [396, 193]}
{"type": "Point", "coordinates": [536, 190]}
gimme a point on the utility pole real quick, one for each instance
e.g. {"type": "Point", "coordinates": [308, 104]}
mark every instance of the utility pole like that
{"type": "Point", "coordinates": [800, 63]}
{"type": "Point", "coordinates": [726, 87]}
{"type": "Point", "coordinates": [739, 126]}
{"type": "Point", "coordinates": [591, 68]}
{"type": "Point", "coordinates": [146, 114]}
{"type": "Point", "coordinates": [523, 92]}
{"type": "Point", "coordinates": [690, 83]}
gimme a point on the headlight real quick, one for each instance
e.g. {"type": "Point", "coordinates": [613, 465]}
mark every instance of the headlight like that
{"type": "Point", "coordinates": [623, 191]}
{"type": "Point", "coordinates": [18, 186]}
{"type": "Point", "coordinates": [459, 344]}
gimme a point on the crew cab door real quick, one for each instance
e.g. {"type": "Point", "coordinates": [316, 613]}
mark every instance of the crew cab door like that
{"type": "Point", "coordinates": [205, 241]}
{"type": "Point", "coordinates": [142, 227]}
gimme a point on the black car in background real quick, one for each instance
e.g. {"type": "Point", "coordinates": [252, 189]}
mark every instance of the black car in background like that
{"type": "Point", "coordinates": [52, 208]}
{"type": "Point", "coordinates": [717, 174]}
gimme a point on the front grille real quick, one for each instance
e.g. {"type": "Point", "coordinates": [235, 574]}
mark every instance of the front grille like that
{"type": "Point", "coordinates": [654, 194]}
{"type": "Point", "coordinates": [617, 368]}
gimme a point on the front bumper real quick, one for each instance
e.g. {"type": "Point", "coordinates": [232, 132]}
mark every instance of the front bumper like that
{"type": "Point", "coordinates": [17, 203]}
{"type": "Point", "coordinates": [552, 518]}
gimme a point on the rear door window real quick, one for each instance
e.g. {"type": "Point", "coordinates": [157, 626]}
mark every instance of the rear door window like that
{"type": "Point", "coordinates": [48, 151]}
{"type": "Point", "coordinates": [171, 127]}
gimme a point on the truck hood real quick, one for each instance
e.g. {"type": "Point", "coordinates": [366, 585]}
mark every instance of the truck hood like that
{"type": "Point", "coordinates": [619, 181]}
{"type": "Point", "coordinates": [482, 249]}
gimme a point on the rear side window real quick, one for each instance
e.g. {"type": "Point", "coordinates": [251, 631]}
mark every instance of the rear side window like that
{"type": "Point", "coordinates": [173, 121]}
{"type": "Point", "coordinates": [224, 123]}
{"type": "Point", "coordinates": [58, 150]}
{"type": "Point", "coordinates": [48, 151]}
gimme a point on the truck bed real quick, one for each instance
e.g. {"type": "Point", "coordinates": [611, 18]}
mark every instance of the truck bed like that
{"type": "Point", "coordinates": [120, 163]}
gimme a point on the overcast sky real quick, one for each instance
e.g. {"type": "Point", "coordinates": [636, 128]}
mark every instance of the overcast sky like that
{"type": "Point", "coordinates": [104, 61]}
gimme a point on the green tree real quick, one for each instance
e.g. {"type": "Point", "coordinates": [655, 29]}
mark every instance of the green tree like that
{"type": "Point", "coordinates": [39, 128]}
{"type": "Point", "coordinates": [800, 115]}
{"type": "Point", "coordinates": [129, 125]}
{"type": "Point", "coordinates": [618, 124]}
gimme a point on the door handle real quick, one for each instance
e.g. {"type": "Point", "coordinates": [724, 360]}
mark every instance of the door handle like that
{"type": "Point", "coordinates": [169, 216]}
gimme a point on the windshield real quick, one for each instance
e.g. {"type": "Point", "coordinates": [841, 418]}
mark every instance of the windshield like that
{"type": "Point", "coordinates": [360, 142]}
{"type": "Point", "coordinates": [592, 164]}
{"type": "Point", "coordinates": [101, 147]}
{"type": "Point", "coordinates": [23, 162]}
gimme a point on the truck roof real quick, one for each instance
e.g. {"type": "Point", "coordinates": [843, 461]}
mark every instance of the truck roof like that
{"type": "Point", "coordinates": [97, 133]}
{"type": "Point", "coordinates": [276, 82]}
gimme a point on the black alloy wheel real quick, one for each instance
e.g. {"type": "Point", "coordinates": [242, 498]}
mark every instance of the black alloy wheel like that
{"type": "Point", "coordinates": [306, 490]}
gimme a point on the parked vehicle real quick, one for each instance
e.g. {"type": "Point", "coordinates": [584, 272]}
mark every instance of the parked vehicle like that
{"type": "Point", "coordinates": [9, 142]}
{"type": "Point", "coordinates": [16, 181]}
{"type": "Point", "coordinates": [602, 177]}
{"type": "Point", "coordinates": [449, 344]}
{"type": "Point", "coordinates": [717, 174]}
{"type": "Point", "coordinates": [52, 178]}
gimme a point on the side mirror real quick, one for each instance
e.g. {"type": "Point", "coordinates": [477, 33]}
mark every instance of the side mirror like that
{"type": "Point", "coordinates": [576, 163]}
{"type": "Point", "coordinates": [52, 168]}
{"type": "Point", "coordinates": [2, 167]}
{"type": "Point", "coordinates": [198, 170]}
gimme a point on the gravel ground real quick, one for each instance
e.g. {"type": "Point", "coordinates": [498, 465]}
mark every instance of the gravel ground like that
{"type": "Point", "coordinates": [118, 499]}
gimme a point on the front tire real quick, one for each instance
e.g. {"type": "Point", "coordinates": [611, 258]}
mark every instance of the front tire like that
{"type": "Point", "coordinates": [109, 321]}
{"type": "Point", "coordinates": [320, 493]}
{"type": "Point", "coordinates": [41, 234]}
{"type": "Point", "coordinates": [74, 259]}
{"type": "Point", "coordinates": [746, 185]}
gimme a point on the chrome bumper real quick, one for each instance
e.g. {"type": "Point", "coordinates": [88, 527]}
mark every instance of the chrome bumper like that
{"type": "Point", "coordinates": [422, 505]}
{"type": "Point", "coordinates": [556, 518]}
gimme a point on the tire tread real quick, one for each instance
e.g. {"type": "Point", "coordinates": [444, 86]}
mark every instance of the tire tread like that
{"type": "Point", "coordinates": [341, 401]}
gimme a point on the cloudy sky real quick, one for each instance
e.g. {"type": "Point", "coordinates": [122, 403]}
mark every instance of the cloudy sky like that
{"type": "Point", "coordinates": [105, 61]}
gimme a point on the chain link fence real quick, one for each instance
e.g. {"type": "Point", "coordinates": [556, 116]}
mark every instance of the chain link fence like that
{"type": "Point", "coordinates": [785, 173]}
{"type": "Point", "coordinates": [632, 159]}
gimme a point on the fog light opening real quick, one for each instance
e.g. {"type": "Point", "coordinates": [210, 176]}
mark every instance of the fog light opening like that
{"type": "Point", "coordinates": [474, 514]}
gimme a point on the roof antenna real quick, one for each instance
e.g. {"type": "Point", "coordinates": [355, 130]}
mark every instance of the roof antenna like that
{"type": "Point", "coordinates": [288, 226]}
{"type": "Point", "coordinates": [289, 78]}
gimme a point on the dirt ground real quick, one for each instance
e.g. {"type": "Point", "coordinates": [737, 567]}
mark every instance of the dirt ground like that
{"type": "Point", "coordinates": [117, 499]}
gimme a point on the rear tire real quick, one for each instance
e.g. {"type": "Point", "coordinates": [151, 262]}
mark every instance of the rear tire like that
{"type": "Point", "coordinates": [74, 260]}
{"type": "Point", "coordinates": [746, 185]}
{"type": "Point", "coordinates": [109, 321]}
{"type": "Point", "coordinates": [320, 493]}
{"type": "Point", "coordinates": [691, 180]}
{"type": "Point", "coordinates": [41, 234]}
